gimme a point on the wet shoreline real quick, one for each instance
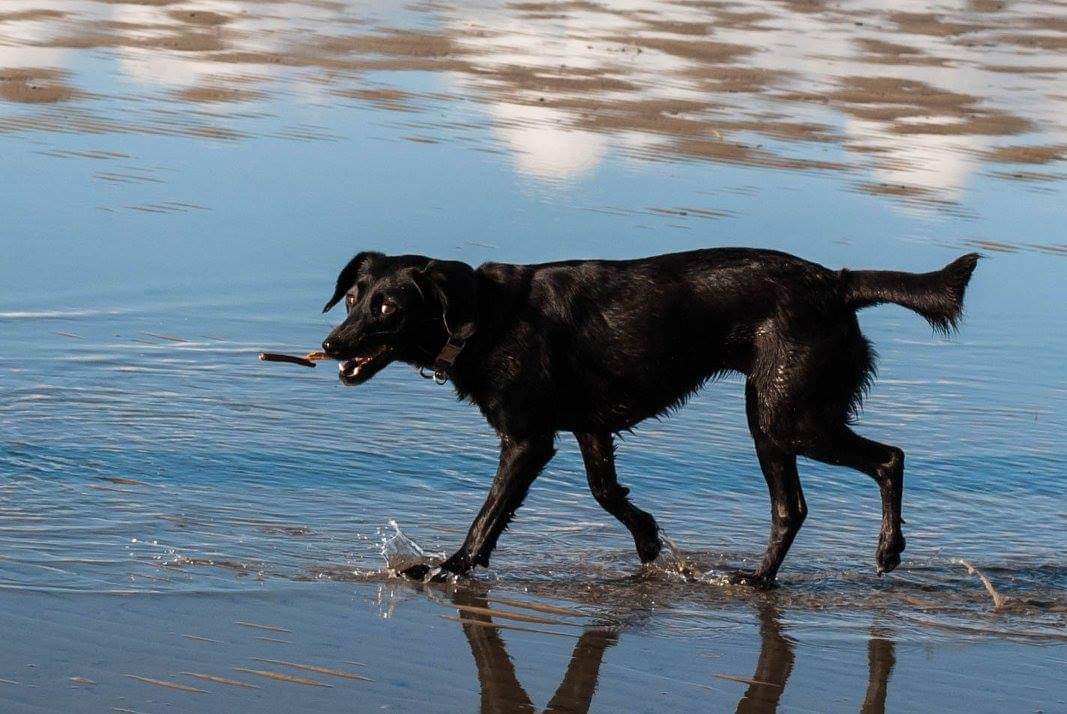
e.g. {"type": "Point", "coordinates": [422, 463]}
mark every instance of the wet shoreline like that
{"type": "Point", "coordinates": [332, 645]}
{"type": "Point", "coordinates": [183, 526]}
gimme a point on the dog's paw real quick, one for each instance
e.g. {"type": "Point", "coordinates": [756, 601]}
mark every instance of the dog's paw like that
{"type": "Point", "coordinates": [752, 580]}
{"type": "Point", "coordinates": [417, 572]}
{"type": "Point", "coordinates": [428, 573]}
{"type": "Point", "coordinates": [887, 557]}
{"type": "Point", "coordinates": [648, 549]}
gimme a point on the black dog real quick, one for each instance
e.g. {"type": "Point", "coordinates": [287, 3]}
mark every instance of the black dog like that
{"type": "Point", "coordinates": [594, 347]}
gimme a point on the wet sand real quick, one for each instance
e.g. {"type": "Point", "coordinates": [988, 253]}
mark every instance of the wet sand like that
{"type": "Point", "coordinates": [330, 647]}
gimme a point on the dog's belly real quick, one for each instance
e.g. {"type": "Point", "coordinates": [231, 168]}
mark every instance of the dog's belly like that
{"type": "Point", "coordinates": [622, 403]}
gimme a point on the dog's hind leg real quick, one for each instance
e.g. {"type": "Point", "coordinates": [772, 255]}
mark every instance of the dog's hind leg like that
{"type": "Point", "coordinates": [883, 463]}
{"type": "Point", "coordinates": [598, 453]}
{"type": "Point", "coordinates": [804, 394]}
{"type": "Point", "coordinates": [788, 508]}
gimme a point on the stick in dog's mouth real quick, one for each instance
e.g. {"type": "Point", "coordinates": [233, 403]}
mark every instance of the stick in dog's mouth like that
{"type": "Point", "coordinates": [307, 360]}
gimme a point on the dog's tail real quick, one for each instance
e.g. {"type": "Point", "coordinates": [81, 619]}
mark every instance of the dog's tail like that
{"type": "Point", "coordinates": [937, 296]}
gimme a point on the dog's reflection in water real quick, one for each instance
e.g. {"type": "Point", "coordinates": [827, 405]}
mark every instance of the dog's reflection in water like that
{"type": "Point", "coordinates": [881, 657]}
{"type": "Point", "coordinates": [773, 666]}
{"type": "Point", "coordinates": [501, 690]}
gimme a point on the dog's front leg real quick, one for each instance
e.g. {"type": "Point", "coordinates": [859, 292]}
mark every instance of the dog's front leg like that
{"type": "Point", "coordinates": [521, 460]}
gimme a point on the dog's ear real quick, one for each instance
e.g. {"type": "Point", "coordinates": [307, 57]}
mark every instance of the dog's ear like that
{"type": "Point", "coordinates": [456, 289]}
{"type": "Point", "coordinates": [347, 277]}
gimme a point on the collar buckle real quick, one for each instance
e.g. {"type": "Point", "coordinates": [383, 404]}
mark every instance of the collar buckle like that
{"type": "Point", "coordinates": [447, 357]}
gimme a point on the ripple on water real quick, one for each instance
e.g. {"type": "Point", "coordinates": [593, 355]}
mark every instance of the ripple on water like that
{"type": "Point", "coordinates": [144, 449]}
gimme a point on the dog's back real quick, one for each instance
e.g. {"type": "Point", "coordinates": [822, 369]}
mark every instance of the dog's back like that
{"type": "Point", "coordinates": [607, 344]}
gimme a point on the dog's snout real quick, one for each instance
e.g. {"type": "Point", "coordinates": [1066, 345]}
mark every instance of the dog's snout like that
{"type": "Point", "coordinates": [339, 341]}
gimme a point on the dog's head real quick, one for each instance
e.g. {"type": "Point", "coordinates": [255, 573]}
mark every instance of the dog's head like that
{"type": "Point", "coordinates": [399, 308]}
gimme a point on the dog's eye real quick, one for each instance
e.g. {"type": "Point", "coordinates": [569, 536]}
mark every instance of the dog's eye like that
{"type": "Point", "coordinates": [350, 300]}
{"type": "Point", "coordinates": [388, 308]}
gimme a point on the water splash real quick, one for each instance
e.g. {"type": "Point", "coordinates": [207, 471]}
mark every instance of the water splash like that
{"type": "Point", "coordinates": [675, 565]}
{"type": "Point", "coordinates": [401, 553]}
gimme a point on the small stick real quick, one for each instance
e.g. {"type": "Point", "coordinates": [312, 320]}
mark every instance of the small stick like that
{"type": "Point", "coordinates": [998, 599]}
{"type": "Point", "coordinates": [307, 360]}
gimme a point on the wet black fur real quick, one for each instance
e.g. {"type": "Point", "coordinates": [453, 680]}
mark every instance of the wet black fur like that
{"type": "Point", "coordinates": [595, 347]}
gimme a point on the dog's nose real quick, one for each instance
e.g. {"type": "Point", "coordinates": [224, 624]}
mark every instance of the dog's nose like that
{"type": "Point", "coordinates": [327, 345]}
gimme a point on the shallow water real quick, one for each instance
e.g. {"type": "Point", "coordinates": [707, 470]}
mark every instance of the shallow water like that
{"type": "Point", "coordinates": [182, 181]}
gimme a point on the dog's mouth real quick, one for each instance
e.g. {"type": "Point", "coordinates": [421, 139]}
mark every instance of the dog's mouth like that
{"type": "Point", "coordinates": [356, 370]}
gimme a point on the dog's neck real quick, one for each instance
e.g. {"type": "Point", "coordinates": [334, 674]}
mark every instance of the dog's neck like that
{"type": "Point", "coordinates": [499, 294]}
